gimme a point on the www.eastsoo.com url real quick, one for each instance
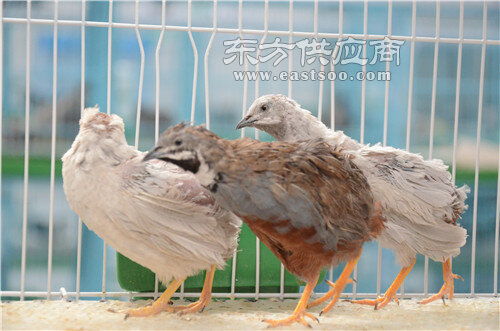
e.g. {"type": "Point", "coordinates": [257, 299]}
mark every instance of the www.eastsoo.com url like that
{"type": "Point", "coordinates": [312, 75]}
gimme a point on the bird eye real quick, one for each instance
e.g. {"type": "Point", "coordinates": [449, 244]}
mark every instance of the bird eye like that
{"type": "Point", "coordinates": [178, 142]}
{"type": "Point", "coordinates": [263, 108]}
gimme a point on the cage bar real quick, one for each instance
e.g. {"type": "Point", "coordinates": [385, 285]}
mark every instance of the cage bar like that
{"type": "Point", "coordinates": [141, 75]}
{"type": "Point", "coordinates": [82, 106]}
{"type": "Point", "coordinates": [109, 58]}
{"type": "Point", "coordinates": [447, 40]}
{"type": "Point", "coordinates": [26, 146]}
{"type": "Point", "coordinates": [290, 39]}
{"type": "Point", "coordinates": [363, 81]}
{"type": "Point", "coordinates": [497, 233]}
{"type": "Point", "coordinates": [457, 93]}
{"type": "Point", "coordinates": [322, 67]}
{"type": "Point", "coordinates": [205, 61]}
{"type": "Point", "coordinates": [478, 145]}
{"type": "Point", "coordinates": [53, 150]}
{"type": "Point", "coordinates": [130, 295]}
{"type": "Point", "coordinates": [195, 60]}
{"type": "Point", "coordinates": [412, 63]}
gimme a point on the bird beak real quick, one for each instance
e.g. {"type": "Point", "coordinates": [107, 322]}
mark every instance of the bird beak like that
{"type": "Point", "coordinates": [151, 155]}
{"type": "Point", "coordinates": [246, 121]}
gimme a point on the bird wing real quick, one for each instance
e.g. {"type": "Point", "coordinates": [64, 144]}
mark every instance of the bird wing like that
{"type": "Point", "coordinates": [305, 188]}
{"type": "Point", "coordinates": [419, 200]}
{"type": "Point", "coordinates": [422, 187]}
{"type": "Point", "coordinates": [173, 209]}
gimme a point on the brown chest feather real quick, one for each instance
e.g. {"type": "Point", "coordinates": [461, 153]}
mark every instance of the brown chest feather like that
{"type": "Point", "coordinates": [294, 249]}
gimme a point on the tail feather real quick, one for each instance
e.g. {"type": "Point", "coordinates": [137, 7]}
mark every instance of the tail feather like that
{"type": "Point", "coordinates": [459, 205]}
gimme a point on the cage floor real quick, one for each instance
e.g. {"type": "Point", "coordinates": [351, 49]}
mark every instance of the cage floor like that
{"type": "Point", "coordinates": [242, 314]}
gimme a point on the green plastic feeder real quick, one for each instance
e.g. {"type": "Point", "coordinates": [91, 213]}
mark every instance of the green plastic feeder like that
{"type": "Point", "coordinates": [134, 277]}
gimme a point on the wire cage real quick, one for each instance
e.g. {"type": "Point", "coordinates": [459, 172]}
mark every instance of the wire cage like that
{"type": "Point", "coordinates": [160, 62]}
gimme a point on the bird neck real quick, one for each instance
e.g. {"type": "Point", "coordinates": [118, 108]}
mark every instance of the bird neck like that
{"type": "Point", "coordinates": [95, 150]}
{"type": "Point", "coordinates": [210, 159]}
{"type": "Point", "coordinates": [302, 125]}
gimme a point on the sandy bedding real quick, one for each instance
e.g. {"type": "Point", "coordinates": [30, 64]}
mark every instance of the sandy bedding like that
{"type": "Point", "coordinates": [242, 314]}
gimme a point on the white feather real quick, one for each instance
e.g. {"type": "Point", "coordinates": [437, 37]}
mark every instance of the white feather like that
{"type": "Point", "coordinates": [152, 212]}
{"type": "Point", "coordinates": [204, 175]}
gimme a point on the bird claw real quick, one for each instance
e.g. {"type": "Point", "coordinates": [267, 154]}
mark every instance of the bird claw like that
{"type": "Point", "coordinates": [446, 289]}
{"type": "Point", "coordinates": [148, 311]}
{"type": "Point", "coordinates": [444, 301]}
{"type": "Point", "coordinates": [298, 317]}
{"type": "Point", "coordinates": [455, 276]}
{"type": "Point", "coordinates": [378, 303]}
{"type": "Point", "coordinates": [195, 307]}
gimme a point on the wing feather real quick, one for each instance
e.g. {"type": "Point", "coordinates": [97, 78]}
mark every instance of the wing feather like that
{"type": "Point", "coordinates": [176, 212]}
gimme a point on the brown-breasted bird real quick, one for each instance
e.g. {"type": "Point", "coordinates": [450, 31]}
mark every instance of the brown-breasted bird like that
{"type": "Point", "coordinates": [420, 202]}
{"type": "Point", "coordinates": [310, 205]}
{"type": "Point", "coordinates": [155, 213]}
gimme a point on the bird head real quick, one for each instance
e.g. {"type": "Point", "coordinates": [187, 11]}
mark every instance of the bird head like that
{"type": "Point", "coordinates": [189, 147]}
{"type": "Point", "coordinates": [100, 140]}
{"type": "Point", "coordinates": [93, 122]}
{"type": "Point", "coordinates": [268, 111]}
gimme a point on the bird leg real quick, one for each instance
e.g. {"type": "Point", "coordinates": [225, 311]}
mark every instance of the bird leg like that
{"type": "Point", "coordinates": [327, 295]}
{"type": "Point", "coordinates": [390, 294]}
{"type": "Point", "coordinates": [162, 304]}
{"type": "Point", "coordinates": [299, 314]}
{"type": "Point", "coordinates": [448, 287]}
{"type": "Point", "coordinates": [338, 286]}
{"type": "Point", "coordinates": [205, 296]}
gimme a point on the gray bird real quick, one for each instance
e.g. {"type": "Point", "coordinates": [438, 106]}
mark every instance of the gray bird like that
{"type": "Point", "coordinates": [310, 205]}
{"type": "Point", "coordinates": [155, 213]}
{"type": "Point", "coordinates": [419, 200]}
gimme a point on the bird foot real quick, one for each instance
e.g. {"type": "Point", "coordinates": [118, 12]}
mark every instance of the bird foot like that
{"type": "Point", "coordinates": [446, 290]}
{"type": "Point", "coordinates": [297, 317]}
{"type": "Point", "coordinates": [195, 307]}
{"type": "Point", "coordinates": [378, 303]}
{"type": "Point", "coordinates": [149, 310]}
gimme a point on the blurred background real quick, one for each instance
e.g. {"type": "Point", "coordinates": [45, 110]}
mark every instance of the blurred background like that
{"type": "Point", "coordinates": [226, 102]}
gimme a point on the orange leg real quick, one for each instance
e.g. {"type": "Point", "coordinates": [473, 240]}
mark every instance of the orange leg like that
{"type": "Point", "coordinates": [340, 284]}
{"type": "Point", "coordinates": [448, 287]}
{"type": "Point", "coordinates": [390, 294]}
{"type": "Point", "coordinates": [162, 304]}
{"type": "Point", "coordinates": [205, 296]}
{"type": "Point", "coordinates": [299, 314]}
{"type": "Point", "coordinates": [327, 295]}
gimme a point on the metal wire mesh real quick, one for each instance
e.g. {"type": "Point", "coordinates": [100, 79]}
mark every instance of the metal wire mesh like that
{"type": "Point", "coordinates": [215, 29]}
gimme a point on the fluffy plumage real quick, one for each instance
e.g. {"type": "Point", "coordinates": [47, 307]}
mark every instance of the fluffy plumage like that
{"type": "Point", "coordinates": [419, 201]}
{"type": "Point", "coordinates": [310, 205]}
{"type": "Point", "coordinates": [152, 212]}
